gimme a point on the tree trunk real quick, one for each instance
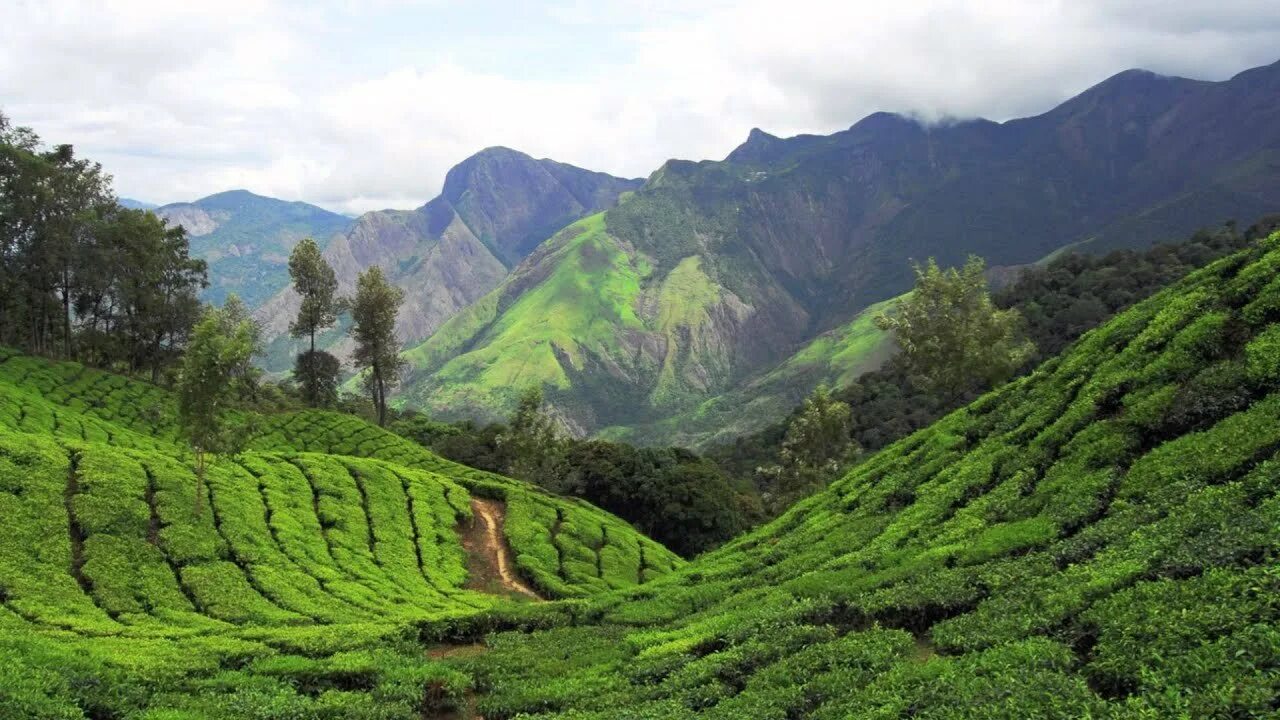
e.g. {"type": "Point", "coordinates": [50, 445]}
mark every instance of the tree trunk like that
{"type": "Point", "coordinates": [66, 313]}
{"type": "Point", "coordinates": [199, 504]}
{"type": "Point", "coordinates": [380, 398]}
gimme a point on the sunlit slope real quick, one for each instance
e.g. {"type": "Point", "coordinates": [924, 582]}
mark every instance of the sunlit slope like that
{"type": "Point", "coordinates": [564, 546]}
{"type": "Point", "coordinates": [629, 347]}
{"type": "Point", "coordinates": [835, 359]}
{"type": "Point", "coordinates": [1097, 539]}
{"type": "Point", "coordinates": [301, 585]}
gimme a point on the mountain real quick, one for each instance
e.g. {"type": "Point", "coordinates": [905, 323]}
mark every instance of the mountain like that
{"type": "Point", "coordinates": [132, 204]}
{"type": "Point", "coordinates": [495, 207]}
{"type": "Point", "coordinates": [246, 239]}
{"type": "Point", "coordinates": [713, 274]}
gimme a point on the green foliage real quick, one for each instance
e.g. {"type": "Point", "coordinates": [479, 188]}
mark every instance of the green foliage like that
{"type": "Point", "coordinates": [1060, 301]}
{"type": "Point", "coordinates": [533, 442]}
{"type": "Point", "coordinates": [223, 344]}
{"type": "Point", "coordinates": [80, 276]}
{"type": "Point", "coordinates": [374, 310]}
{"type": "Point", "coordinates": [317, 375]}
{"type": "Point", "coordinates": [301, 591]}
{"type": "Point", "coordinates": [951, 335]}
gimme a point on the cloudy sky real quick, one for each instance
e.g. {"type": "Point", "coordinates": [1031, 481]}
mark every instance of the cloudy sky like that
{"type": "Point", "coordinates": [363, 105]}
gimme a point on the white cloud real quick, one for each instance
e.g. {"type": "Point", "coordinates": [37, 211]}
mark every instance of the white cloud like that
{"type": "Point", "coordinates": [183, 99]}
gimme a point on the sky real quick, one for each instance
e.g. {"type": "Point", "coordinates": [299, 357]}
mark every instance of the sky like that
{"type": "Point", "coordinates": [362, 105]}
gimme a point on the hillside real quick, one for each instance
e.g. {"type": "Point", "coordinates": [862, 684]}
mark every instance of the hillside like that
{"type": "Point", "coordinates": [246, 239]}
{"type": "Point", "coordinates": [715, 273]}
{"type": "Point", "coordinates": [495, 207]}
{"type": "Point", "coordinates": [317, 557]}
{"type": "Point", "coordinates": [1097, 539]}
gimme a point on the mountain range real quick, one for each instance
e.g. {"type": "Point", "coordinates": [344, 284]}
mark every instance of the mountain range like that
{"type": "Point", "coordinates": [246, 239]}
{"type": "Point", "coordinates": [495, 207]}
{"type": "Point", "coordinates": [715, 274]}
{"type": "Point", "coordinates": [707, 299]}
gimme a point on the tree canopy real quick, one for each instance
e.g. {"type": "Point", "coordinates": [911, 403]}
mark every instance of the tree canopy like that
{"type": "Point", "coordinates": [951, 336]}
{"type": "Point", "coordinates": [374, 310]}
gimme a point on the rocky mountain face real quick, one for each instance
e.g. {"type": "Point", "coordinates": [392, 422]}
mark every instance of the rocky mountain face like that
{"type": "Point", "coordinates": [495, 207]}
{"type": "Point", "coordinates": [246, 239]}
{"type": "Point", "coordinates": [714, 274]}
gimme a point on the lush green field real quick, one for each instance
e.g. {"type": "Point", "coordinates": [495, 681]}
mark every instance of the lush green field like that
{"type": "Point", "coordinates": [1097, 539]}
{"type": "Point", "coordinates": [323, 562]}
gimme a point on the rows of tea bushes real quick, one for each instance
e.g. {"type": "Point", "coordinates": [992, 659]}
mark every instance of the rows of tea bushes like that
{"type": "Point", "coordinates": [565, 547]}
{"type": "Point", "coordinates": [1098, 539]}
{"type": "Point", "coordinates": [301, 579]}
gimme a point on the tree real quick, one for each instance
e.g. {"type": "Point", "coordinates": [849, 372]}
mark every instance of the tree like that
{"type": "Point", "coordinates": [815, 448]}
{"type": "Point", "coordinates": [377, 351]}
{"type": "Point", "coordinates": [81, 275]}
{"type": "Point", "coordinates": [219, 357]}
{"type": "Point", "coordinates": [952, 338]}
{"type": "Point", "coordinates": [533, 442]}
{"type": "Point", "coordinates": [316, 284]}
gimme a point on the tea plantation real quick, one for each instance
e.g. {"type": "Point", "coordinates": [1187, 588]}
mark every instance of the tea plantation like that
{"type": "Point", "coordinates": [321, 565]}
{"type": "Point", "coordinates": [1095, 540]}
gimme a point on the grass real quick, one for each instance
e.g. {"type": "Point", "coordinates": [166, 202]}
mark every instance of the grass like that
{"type": "Point", "coordinates": [548, 333]}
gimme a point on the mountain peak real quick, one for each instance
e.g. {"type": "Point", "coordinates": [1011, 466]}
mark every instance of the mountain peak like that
{"type": "Point", "coordinates": [760, 147]}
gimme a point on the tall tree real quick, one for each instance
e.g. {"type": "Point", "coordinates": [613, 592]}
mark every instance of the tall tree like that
{"type": "Point", "coordinates": [220, 356]}
{"type": "Point", "coordinates": [815, 448]}
{"type": "Point", "coordinates": [81, 276]}
{"type": "Point", "coordinates": [533, 442]}
{"type": "Point", "coordinates": [377, 350]}
{"type": "Point", "coordinates": [316, 284]}
{"type": "Point", "coordinates": [952, 337]}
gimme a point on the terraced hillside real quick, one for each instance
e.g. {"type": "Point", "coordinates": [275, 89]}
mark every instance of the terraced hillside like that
{"type": "Point", "coordinates": [1097, 539]}
{"type": "Point", "coordinates": [303, 583]}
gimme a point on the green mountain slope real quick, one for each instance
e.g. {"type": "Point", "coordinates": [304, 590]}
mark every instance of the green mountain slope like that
{"type": "Point", "coordinates": [584, 309]}
{"type": "Point", "coordinates": [495, 207]}
{"type": "Point", "coordinates": [320, 554]}
{"type": "Point", "coordinates": [1098, 539]}
{"type": "Point", "coordinates": [835, 358]}
{"type": "Point", "coordinates": [246, 239]}
{"type": "Point", "coordinates": [786, 239]}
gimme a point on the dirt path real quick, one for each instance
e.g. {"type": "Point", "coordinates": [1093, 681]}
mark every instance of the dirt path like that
{"type": "Point", "coordinates": [492, 569]}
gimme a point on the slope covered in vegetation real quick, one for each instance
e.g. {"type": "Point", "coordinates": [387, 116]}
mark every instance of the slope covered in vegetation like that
{"type": "Point", "coordinates": [298, 580]}
{"type": "Point", "coordinates": [713, 272]}
{"type": "Point", "coordinates": [1096, 539]}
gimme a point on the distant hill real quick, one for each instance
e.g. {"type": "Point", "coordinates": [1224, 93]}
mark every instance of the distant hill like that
{"type": "Point", "coordinates": [496, 207]}
{"type": "Point", "coordinates": [713, 274]}
{"type": "Point", "coordinates": [132, 204]}
{"type": "Point", "coordinates": [246, 239]}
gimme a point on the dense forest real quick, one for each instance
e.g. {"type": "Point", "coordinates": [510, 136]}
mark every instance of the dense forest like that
{"type": "Point", "coordinates": [82, 278]}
